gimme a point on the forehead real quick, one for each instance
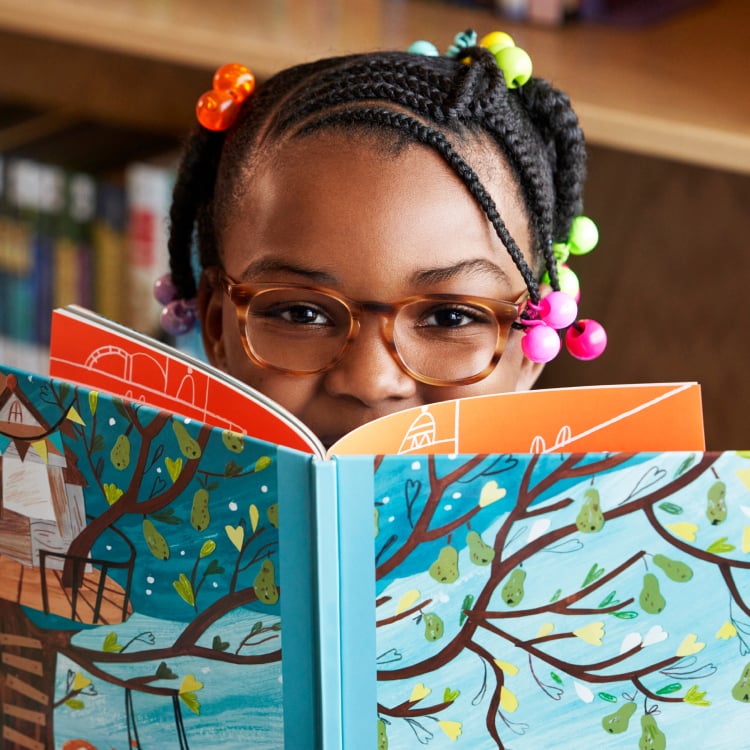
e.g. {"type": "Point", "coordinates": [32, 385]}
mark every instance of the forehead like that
{"type": "Point", "coordinates": [335, 197]}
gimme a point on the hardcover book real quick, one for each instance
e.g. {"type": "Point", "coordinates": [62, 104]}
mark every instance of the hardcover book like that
{"type": "Point", "coordinates": [199, 572]}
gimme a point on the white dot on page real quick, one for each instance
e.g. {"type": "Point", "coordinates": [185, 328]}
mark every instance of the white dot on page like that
{"type": "Point", "coordinates": [112, 421]}
{"type": "Point", "coordinates": [448, 507]}
{"type": "Point", "coordinates": [264, 488]}
{"type": "Point", "coordinates": [386, 500]}
{"type": "Point", "coordinates": [416, 466]}
{"type": "Point", "coordinates": [232, 505]}
{"type": "Point", "coordinates": [456, 495]}
{"type": "Point", "coordinates": [391, 519]}
{"type": "Point", "coordinates": [148, 592]}
{"type": "Point", "coordinates": [150, 579]}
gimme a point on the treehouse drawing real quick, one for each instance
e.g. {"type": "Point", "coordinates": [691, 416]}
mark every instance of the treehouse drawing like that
{"type": "Point", "coordinates": [41, 513]}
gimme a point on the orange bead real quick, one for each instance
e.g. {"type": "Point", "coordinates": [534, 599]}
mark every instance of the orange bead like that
{"type": "Point", "coordinates": [217, 110]}
{"type": "Point", "coordinates": [235, 78]}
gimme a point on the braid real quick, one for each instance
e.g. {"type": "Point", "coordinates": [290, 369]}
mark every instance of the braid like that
{"type": "Point", "coordinates": [425, 100]}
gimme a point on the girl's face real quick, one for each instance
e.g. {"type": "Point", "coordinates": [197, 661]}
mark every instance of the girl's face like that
{"type": "Point", "coordinates": [335, 211]}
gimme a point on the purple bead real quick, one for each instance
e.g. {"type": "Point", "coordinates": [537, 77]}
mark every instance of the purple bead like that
{"type": "Point", "coordinates": [558, 310]}
{"type": "Point", "coordinates": [178, 317]}
{"type": "Point", "coordinates": [587, 339]}
{"type": "Point", "coordinates": [540, 343]}
{"type": "Point", "coordinates": [164, 289]}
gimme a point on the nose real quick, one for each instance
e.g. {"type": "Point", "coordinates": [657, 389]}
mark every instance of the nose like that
{"type": "Point", "coordinates": [367, 372]}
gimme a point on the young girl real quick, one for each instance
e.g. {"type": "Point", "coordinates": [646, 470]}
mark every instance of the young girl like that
{"type": "Point", "coordinates": [384, 230]}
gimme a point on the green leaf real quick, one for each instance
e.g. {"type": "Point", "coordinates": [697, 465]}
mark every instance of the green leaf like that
{"type": "Point", "coordinates": [609, 599]}
{"type": "Point", "coordinates": [555, 596]}
{"type": "Point", "coordinates": [232, 469]}
{"type": "Point", "coordinates": [667, 689]}
{"type": "Point", "coordinates": [262, 463]}
{"type": "Point", "coordinates": [208, 547]}
{"type": "Point", "coordinates": [98, 444]}
{"type": "Point", "coordinates": [163, 672]}
{"type": "Point", "coordinates": [450, 695]}
{"type": "Point", "coordinates": [696, 697]}
{"type": "Point", "coordinates": [720, 546]}
{"type": "Point", "coordinates": [166, 515]}
{"type": "Point", "coordinates": [608, 697]}
{"type": "Point", "coordinates": [594, 573]}
{"type": "Point", "coordinates": [672, 508]}
{"type": "Point", "coordinates": [684, 466]}
{"type": "Point", "coordinates": [257, 625]}
{"type": "Point", "coordinates": [214, 569]}
{"type": "Point", "coordinates": [184, 588]}
{"type": "Point", "coordinates": [219, 645]}
{"type": "Point", "coordinates": [75, 704]}
{"type": "Point", "coordinates": [625, 615]}
{"type": "Point", "coordinates": [110, 645]}
{"type": "Point", "coordinates": [191, 701]}
{"type": "Point", "coordinates": [556, 678]}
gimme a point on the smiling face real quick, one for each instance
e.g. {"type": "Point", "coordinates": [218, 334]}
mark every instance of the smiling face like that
{"type": "Point", "coordinates": [334, 210]}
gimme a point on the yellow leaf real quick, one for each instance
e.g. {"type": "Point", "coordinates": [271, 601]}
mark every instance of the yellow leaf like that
{"type": "Point", "coordinates": [236, 535]}
{"type": "Point", "coordinates": [591, 633]}
{"type": "Point", "coordinates": [684, 530]}
{"type": "Point", "coordinates": [407, 600]}
{"type": "Point", "coordinates": [451, 728]}
{"type": "Point", "coordinates": [508, 700]}
{"type": "Point", "coordinates": [74, 416]}
{"type": "Point", "coordinates": [419, 692]}
{"type": "Point", "coordinates": [491, 493]}
{"type": "Point", "coordinates": [507, 667]}
{"type": "Point", "coordinates": [253, 516]}
{"type": "Point", "coordinates": [190, 684]}
{"type": "Point", "coordinates": [80, 682]}
{"type": "Point", "coordinates": [174, 467]}
{"type": "Point", "coordinates": [726, 631]}
{"type": "Point", "coordinates": [545, 629]}
{"type": "Point", "coordinates": [690, 645]}
{"type": "Point", "coordinates": [746, 539]}
{"type": "Point", "coordinates": [744, 477]}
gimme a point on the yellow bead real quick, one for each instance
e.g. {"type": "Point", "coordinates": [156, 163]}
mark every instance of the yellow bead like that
{"type": "Point", "coordinates": [496, 40]}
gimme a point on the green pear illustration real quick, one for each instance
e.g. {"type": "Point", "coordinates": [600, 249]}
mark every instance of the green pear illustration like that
{"type": "Point", "coordinates": [512, 591]}
{"type": "Point", "coordinates": [652, 738]}
{"type": "Point", "coordinates": [674, 569]}
{"type": "Point", "coordinates": [157, 544]}
{"type": "Point", "coordinates": [479, 552]}
{"type": "Point", "coordinates": [617, 722]}
{"type": "Point", "coordinates": [433, 626]}
{"type": "Point", "coordinates": [382, 736]}
{"type": "Point", "coordinates": [264, 584]}
{"type": "Point", "coordinates": [200, 516]}
{"type": "Point", "coordinates": [651, 599]}
{"type": "Point", "coordinates": [273, 515]}
{"type": "Point", "coordinates": [120, 453]}
{"type": "Point", "coordinates": [741, 689]}
{"type": "Point", "coordinates": [188, 446]}
{"type": "Point", "coordinates": [445, 568]}
{"type": "Point", "coordinates": [590, 518]}
{"type": "Point", "coordinates": [716, 507]}
{"type": "Point", "coordinates": [233, 441]}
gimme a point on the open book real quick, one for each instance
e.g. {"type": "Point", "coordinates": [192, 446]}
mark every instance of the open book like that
{"type": "Point", "coordinates": [182, 575]}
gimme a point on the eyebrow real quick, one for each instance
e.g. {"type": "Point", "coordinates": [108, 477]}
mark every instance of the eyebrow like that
{"type": "Point", "coordinates": [476, 266]}
{"type": "Point", "coordinates": [275, 265]}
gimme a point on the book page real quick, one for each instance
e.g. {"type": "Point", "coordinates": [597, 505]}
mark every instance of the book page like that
{"type": "Point", "coordinates": [95, 352]}
{"type": "Point", "coordinates": [643, 417]}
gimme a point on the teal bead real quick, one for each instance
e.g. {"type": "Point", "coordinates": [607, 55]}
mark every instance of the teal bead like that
{"type": "Point", "coordinates": [421, 47]}
{"type": "Point", "coordinates": [583, 235]}
{"type": "Point", "coordinates": [516, 66]}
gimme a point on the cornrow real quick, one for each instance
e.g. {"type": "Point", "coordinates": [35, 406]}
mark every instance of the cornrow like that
{"type": "Point", "coordinates": [423, 99]}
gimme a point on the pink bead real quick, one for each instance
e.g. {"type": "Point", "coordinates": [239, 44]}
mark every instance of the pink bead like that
{"type": "Point", "coordinates": [164, 289]}
{"type": "Point", "coordinates": [558, 310]}
{"type": "Point", "coordinates": [178, 317]}
{"type": "Point", "coordinates": [587, 339]}
{"type": "Point", "coordinates": [540, 343]}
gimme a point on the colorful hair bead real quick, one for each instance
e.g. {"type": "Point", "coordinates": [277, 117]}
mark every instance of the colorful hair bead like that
{"type": "Point", "coordinates": [178, 315]}
{"type": "Point", "coordinates": [586, 339]}
{"type": "Point", "coordinates": [422, 47]}
{"type": "Point", "coordinates": [541, 343]}
{"type": "Point", "coordinates": [218, 108]}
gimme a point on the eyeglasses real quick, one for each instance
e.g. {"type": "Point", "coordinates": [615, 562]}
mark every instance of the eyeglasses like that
{"type": "Point", "coordinates": [437, 339]}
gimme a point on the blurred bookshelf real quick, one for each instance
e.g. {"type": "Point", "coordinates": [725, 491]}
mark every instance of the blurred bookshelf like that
{"type": "Point", "coordinates": [92, 87]}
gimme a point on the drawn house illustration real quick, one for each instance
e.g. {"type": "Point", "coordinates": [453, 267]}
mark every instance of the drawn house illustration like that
{"type": "Point", "coordinates": [421, 433]}
{"type": "Point", "coordinates": [41, 496]}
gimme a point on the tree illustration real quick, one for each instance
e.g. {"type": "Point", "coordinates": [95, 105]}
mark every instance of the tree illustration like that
{"type": "Point", "coordinates": [559, 509]}
{"type": "Point", "coordinates": [188, 508]}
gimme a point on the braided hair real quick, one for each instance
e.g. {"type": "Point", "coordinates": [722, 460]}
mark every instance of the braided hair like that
{"type": "Point", "coordinates": [405, 98]}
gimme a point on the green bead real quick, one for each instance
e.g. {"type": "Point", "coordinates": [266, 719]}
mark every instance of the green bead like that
{"type": "Point", "coordinates": [583, 235]}
{"type": "Point", "coordinates": [421, 47]}
{"type": "Point", "coordinates": [561, 251]}
{"type": "Point", "coordinates": [516, 66]}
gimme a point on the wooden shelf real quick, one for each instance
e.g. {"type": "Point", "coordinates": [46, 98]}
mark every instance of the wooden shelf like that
{"type": "Point", "coordinates": [675, 89]}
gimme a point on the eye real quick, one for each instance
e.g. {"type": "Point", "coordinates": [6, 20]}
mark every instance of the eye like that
{"type": "Point", "coordinates": [453, 316]}
{"type": "Point", "coordinates": [299, 313]}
